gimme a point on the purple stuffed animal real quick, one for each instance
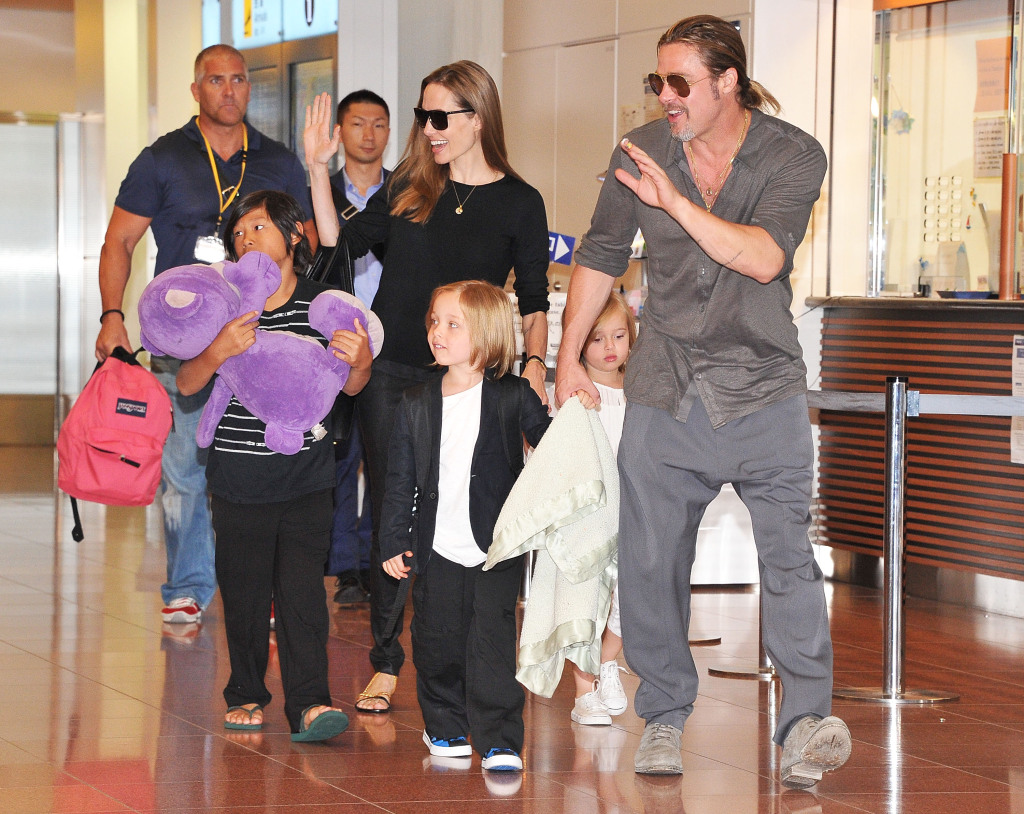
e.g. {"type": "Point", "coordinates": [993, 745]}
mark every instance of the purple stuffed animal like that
{"type": "Point", "coordinates": [288, 381]}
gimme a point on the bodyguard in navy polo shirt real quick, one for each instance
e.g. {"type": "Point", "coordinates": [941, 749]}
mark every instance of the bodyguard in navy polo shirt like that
{"type": "Point", "coordinates": [184, 187]}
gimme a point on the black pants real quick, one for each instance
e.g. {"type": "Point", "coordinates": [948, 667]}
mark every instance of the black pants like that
{"type": "Point", "coordinates": [464, 649]}
{"type": "Point", "coordinates": [275, 550]}
{"type": "Point", "coordinates": [375, 407]}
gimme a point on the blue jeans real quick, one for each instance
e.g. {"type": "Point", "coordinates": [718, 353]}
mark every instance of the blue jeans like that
{"type": "Point", "coordinates": [188, 529]}
{"type": "Point", "coordinates": [352, 532]}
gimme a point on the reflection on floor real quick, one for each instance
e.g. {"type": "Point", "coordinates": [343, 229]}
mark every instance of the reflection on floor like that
{"type": "Point", "coordinates": [103, 711]}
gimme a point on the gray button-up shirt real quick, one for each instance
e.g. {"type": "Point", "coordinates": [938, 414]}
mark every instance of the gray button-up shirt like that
{"type": "Point", "coordinates": [707, 330]}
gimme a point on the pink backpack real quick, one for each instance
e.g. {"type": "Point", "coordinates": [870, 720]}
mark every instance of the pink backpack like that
{"type": "Point", "coordinates": [111, 442]}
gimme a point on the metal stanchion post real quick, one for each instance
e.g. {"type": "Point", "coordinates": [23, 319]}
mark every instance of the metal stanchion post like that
{"type": "Point", "coordinates": [703, 640]}
{"type": "Point", "coordinates": [894, 553]}
{"type": "Point", "coordinates": [524, 587]}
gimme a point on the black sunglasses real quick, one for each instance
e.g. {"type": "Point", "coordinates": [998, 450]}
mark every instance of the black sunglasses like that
{"type": "Point", "coordinates": [674, 80]}
{"type": "Point", "coordinates": [438, 118]}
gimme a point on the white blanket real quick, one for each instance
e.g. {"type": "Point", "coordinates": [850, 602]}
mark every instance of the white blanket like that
{"type": "Point", "coordinates": [565, 506]}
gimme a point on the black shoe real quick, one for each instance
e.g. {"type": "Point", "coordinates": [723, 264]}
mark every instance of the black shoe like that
{"type": "Point", "coordinates": [350, 592]}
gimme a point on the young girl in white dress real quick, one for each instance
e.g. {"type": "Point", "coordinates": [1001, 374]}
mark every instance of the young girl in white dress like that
{"type": "Point", "coordinates": [604, 357]}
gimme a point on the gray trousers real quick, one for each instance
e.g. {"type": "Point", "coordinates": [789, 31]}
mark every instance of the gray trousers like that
{"type": "Point", "coordinates": [670, 471]}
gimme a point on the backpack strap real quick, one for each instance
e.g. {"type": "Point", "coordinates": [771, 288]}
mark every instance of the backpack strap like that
{"type": "Point", "coordinates": [76, 533]}
{"type": "Point", "coordinates": [127, 357]}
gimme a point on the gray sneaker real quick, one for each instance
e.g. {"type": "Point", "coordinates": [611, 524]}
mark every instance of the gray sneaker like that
{"type": "Point", "coordinates": [659, 750]}
{"type": "Point", "coordinates": [813, 746]}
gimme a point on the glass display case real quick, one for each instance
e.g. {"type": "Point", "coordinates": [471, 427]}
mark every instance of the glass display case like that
{"type": "Point", "coordinates": [945, 113]}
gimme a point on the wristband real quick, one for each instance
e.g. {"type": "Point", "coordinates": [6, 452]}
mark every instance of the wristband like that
{"type": "Point", "coordinates": [112, 311]}
{"type": "Point", "coordinates": [537, 358]}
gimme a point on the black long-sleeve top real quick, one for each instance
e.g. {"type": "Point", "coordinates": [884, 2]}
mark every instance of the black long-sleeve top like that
{"type": "Point", "coordinates": [503, 226]}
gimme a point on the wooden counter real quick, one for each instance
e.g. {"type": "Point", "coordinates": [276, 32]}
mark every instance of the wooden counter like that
{"type": "Point", "coordinates": [964, 499]}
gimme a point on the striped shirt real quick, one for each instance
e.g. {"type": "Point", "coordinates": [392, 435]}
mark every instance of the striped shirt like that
{"type": "Point", "coordinates": [240, 467]}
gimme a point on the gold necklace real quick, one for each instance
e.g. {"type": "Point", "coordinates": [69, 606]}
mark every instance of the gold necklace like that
{"type": "Point", "coordinates": [707, 193]}
{"type": "Point", "coordinates": [458, 209]}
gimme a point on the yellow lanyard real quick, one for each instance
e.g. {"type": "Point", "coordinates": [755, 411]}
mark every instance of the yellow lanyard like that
{"type": "Point", "coordinates": [216, 175]}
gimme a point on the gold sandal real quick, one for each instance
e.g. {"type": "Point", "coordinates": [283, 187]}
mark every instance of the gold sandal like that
{"type": "Point", "coordinates": [380, 688]}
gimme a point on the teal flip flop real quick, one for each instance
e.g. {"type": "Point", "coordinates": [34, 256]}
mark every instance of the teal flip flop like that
{"type": "Point", "coordinates": [326, 725]}
{"type": "Point", "coordinates": [249, 726]}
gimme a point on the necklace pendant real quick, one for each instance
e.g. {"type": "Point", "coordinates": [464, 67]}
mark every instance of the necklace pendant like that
{"type": "Point", "coordinates": [458, 210]}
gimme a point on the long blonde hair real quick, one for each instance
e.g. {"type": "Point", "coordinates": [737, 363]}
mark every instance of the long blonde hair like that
{"type": "Point", "coordinates": [490, 321]}
{"type": "Point", "coordinates": [418, 179]}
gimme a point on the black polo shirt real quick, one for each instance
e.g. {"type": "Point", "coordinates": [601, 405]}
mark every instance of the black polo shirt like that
{"type": "Point", "coordinates": [172, 183]}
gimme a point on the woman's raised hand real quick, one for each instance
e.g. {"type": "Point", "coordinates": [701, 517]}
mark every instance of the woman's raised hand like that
{"type": "Point", "coordinates": [319, 141]}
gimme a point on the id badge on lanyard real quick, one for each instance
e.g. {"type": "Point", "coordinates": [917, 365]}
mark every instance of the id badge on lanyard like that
{"type": "Point", "coordinates": [210, 248]}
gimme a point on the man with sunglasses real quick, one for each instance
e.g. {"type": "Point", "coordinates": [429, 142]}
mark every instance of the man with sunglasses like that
{"type": "Point", "coordinates": [716, 384]}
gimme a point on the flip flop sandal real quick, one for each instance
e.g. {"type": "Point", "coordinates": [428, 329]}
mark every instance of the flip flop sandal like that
{"type": "Point", "coordinates": [326, 725]}
{"type": "Point", "coordinates": [380, 688]}
{"type": "Point", "coordinates": [250, 712]}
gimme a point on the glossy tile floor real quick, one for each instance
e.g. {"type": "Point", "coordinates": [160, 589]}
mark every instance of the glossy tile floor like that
{"type": "Point", "coordinates": [102, 711]}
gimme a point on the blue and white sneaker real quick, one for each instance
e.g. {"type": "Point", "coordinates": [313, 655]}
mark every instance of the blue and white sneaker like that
{"type": "Point", "coordinates": [448, 747]}
{"type": "Point", "coordinates": [502, 760]}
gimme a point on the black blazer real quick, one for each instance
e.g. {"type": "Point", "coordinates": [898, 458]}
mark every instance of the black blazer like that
{"type": "Point", "coordinates": [414, 465]}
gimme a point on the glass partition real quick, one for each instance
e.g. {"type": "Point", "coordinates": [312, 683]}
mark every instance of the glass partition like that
{"type": "Point", "coordinates": [28, 257]}
{"type": "Point", "coordinates": [941, 118]}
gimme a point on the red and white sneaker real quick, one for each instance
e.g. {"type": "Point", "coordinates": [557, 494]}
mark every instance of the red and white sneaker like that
{"type": "Point", "coordinates": [182, 611]}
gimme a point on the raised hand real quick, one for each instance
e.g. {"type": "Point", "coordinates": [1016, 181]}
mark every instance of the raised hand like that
{"type": "Point", "coordinates": [318, 139]}
{"type": "Point", "coordinates": [653, 187]}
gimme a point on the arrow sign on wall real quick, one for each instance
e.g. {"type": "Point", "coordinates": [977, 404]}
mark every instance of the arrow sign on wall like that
{"type": "Point", "coordinates": [560, 248]}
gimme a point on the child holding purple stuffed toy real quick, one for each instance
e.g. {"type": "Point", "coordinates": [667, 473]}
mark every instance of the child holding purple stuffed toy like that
{"type": "Point", "coordinates": [272, 513]}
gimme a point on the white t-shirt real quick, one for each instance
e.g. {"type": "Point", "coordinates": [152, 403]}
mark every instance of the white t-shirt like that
{"type": "Point", "coordinates": [612, 412]}
{"type": "Point", "coordinates": [460, 426]}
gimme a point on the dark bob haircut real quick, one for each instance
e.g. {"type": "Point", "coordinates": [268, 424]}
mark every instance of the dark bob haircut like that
{"type": "Point", "coordinates": [285, 213]}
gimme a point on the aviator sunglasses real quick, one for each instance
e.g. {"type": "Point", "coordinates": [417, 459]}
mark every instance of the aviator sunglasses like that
{"type": "Point", "coordinates": [674, 80]}
{"type": "Point", "coordinates": [438, 118]}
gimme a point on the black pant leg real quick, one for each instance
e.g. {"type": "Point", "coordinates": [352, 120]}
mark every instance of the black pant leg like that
{"type": "Point", "coordinates": [375, 408]}
{"type": "Point", "coordinates": [443, 601]}
{"type": "Point", "coordinates": [244, 558]}
{"type": "Point", "coordinates": [300, 605]}
{"type": "Point", "coordinates": [494, 698]}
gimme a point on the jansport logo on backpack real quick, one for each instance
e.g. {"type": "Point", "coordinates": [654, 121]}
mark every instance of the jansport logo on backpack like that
{"type": "Point", "coordinates": [111, 442]}
{"type": "Point", "coordinates": [129, 407]}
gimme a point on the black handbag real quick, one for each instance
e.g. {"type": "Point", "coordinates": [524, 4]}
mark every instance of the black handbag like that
{"type": "Point", "coordinates": [334, 267]}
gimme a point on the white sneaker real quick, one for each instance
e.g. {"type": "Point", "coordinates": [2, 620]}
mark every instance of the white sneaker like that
{"type": "Point", "coordinates": [609, 687]}
{"type": "Point", "coordinates": [500, 759]}
{"type": "Point", "coordinates": [183, 610]}
{"type": "Point", "coordinates": [447, 747]}
{"type": "Point", "coordinates": [590, 710]}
